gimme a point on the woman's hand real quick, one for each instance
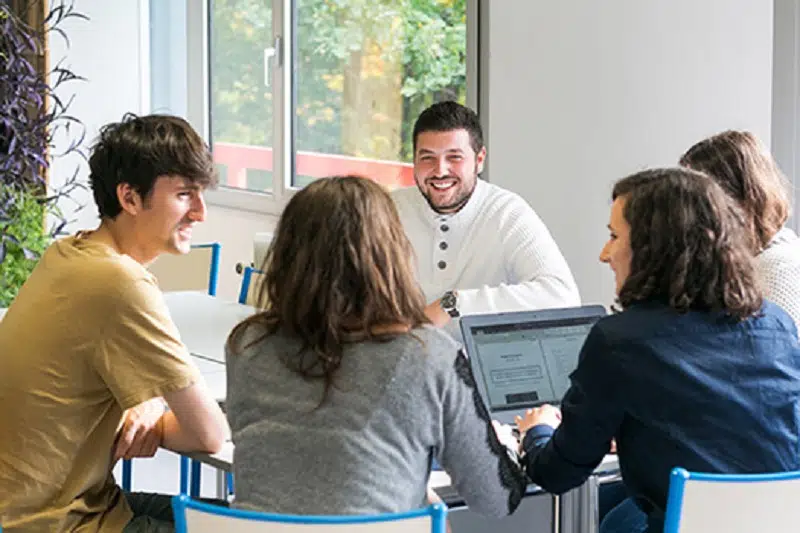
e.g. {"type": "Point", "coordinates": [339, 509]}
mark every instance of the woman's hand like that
{"type": "Point", "coordinates": [545, 414]}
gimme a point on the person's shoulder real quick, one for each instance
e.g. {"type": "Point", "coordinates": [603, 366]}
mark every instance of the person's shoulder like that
{"type": "Point", "coordinates": [251, 337]}
{"type": "Point", "coordinates": [494, 194]}
{"type": "Point", "coordinates": [773, 317]}
{"type": "Point", "coordinates": [508, 208]}
{"type": "Point", "coordinates": [97, 258]}
{"type": "Point", "coordinates": [439, 348]}
{"type": "Point", "coordinates": [638, 321]}
{"type": "Point", "coordinates": [92, 269]}
{"type": "Point", "coordinates": [780, 262]}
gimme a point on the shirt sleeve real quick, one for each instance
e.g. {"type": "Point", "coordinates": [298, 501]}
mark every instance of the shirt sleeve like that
{"type": "Point", "coordinates": [141, 355]}
{"type": "Point", "coordinates": [591, 413]}
{"type": "Point", "coordinates": [481, 468]}
{"type": "Point", "coordinates": [533, 258]}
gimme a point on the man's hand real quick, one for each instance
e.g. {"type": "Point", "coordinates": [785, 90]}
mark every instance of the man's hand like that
{"type": "Point", "coordinates": [438, 316]}
{"type": "Point", "coordinates": [546, 414]}
{"type": "Point", "coordinates": [140, 435]}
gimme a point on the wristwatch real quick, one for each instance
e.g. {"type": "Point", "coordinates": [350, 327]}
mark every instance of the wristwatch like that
{"type": "Point", "coordinates": [448, 302]}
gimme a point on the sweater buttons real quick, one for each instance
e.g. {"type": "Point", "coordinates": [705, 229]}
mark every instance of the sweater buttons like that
{"type": "Point", "coordinates": [442, 265]}
{"type": "Point", "coordinates": [443, 245]}
{"type": "Point", "coordinates": [444, 227]}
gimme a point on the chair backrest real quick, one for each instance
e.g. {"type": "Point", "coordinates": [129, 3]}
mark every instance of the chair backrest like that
{"type": "Point", "coordinates": [251, 285]}
{"type": "Point", "coordinates": [732, 503]}
{"type": "Point", "coordinates": [196, 517]}
{"type": "Point", "coordinates": [197, 270]}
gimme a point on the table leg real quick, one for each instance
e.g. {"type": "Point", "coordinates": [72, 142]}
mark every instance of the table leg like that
{"type": "Point", "coordinates": [222, 484]}
{"type": "Point", "coordinates": [577, 510]}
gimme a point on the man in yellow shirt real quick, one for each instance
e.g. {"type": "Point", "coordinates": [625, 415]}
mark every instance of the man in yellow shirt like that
{"type": "Point", "coordinates": [89, 354]}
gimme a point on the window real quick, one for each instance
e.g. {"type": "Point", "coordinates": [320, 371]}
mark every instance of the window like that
{"type": "Point", "coordinates": [288, 91]}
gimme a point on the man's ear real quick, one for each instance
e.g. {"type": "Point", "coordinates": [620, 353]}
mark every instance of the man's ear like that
{"type": "Point", "coordinates": [129, 199]}
{"type": "Point", "coordinates": [479, 159]}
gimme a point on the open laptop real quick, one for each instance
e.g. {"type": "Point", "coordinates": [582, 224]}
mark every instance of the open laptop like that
{"type": "Point", "coordinates": [521, 360]}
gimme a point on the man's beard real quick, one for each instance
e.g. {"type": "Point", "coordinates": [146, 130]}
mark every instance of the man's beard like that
{"type": "Point", "coordinates": [459, 202]}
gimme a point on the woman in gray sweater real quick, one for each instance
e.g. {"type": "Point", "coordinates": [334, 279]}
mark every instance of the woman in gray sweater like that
{"type": "Point", "coordinates": [340, 393]}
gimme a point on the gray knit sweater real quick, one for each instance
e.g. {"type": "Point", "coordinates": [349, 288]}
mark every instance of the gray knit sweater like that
{"type": "Point", "coordinates": [395, 406]}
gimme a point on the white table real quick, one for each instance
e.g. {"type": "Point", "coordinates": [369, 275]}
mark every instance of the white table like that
{"type": "Point", "coordinates": [3, 312]}
{"type": "Point", "coordinates": [205, 322]}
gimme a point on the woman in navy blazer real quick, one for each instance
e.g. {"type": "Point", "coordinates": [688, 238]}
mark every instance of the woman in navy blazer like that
{"type": "Point", "coordinates": [696, 370]}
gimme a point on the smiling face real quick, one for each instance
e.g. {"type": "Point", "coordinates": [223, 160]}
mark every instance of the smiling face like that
{"type": "Point", "coordinates": [164, 221]}
{"type": "Point", "coordinates": [617, 251]}
{"type": "Point", "coordinates": [446, 168]}
{"type": "Point", "coordinates": [175, 205]}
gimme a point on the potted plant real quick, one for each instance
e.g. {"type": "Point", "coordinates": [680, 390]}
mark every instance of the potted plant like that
{"type": "Point", "coordinates": [31, 113]}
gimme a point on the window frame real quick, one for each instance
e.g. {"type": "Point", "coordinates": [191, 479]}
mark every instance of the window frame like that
{"type": "Point", "coordinates": [198, 98]}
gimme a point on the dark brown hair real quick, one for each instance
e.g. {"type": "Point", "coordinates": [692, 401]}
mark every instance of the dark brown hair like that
{"type": "Point", "coordinates": [688, 242]}
{"type": "Point", "coordinates": [747, 171]}
{"type": "Point", "coordinates": [139, 150]}
{"type": "Point", "coordinates": [340, 265]}
{"type": "Point", "coordinates": [448, 116]}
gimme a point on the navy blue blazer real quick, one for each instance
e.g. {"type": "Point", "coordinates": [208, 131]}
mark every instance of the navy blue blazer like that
{"type": "Point", "coordinates": [697, 390]}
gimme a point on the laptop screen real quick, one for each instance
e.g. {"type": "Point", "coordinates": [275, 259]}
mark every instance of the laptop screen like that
{"type": "Point", "coordinates": [527, 363]}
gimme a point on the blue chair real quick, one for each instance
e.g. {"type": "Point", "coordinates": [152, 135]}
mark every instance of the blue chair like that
{"type": "Point", "coordinates": [733, 503]}
{"type": "Point", "coordinates": [171, 274]}
{"type": "Point", "coordinates": [251, 280]}
{"type": "Point", "coordinates": [197, 517]}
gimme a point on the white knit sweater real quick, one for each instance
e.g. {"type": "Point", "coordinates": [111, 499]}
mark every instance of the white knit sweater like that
{"type": "Point", "coordinates": [779, 267]}
{"type": "Point", "coordinates": [495, 251]}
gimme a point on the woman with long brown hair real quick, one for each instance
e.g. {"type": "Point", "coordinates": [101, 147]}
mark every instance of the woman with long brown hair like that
{"type": "Point", "coordinates": [694, 371]}
{"type": "Point", "coordinates": [340, 393]}
{"type": "Point", "coordinates": [746, 170]}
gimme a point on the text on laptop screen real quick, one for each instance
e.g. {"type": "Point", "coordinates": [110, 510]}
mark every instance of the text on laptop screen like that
{"type": "Point", "coordinates": [528, 363]}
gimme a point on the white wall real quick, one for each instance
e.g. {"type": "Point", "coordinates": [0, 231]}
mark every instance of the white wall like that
{"type": "Point", "coordinates": [582, 93]}
{"type": "Point", "coordinates": [108, 50]}
{"type": "Point", "coordinates": [576, 95]}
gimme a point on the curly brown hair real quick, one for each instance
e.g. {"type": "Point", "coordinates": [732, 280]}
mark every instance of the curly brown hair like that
{"type": "Point", "coordinates": [688, 242]}
{"type": "Point", "coordinates": [338, 269]}
{"type": "Point", "coordinates": [747, 171]}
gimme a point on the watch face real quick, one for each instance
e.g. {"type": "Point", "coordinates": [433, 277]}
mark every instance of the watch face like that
{"type": "Point", "coordinates": [448, 300]}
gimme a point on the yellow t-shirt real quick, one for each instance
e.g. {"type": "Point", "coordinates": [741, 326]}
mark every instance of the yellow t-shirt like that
{"type": "Point", "coordinates": [88, 336]}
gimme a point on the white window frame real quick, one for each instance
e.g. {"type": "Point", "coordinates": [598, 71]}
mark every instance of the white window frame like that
{"type": "Point", "coordinates": [198, 98]}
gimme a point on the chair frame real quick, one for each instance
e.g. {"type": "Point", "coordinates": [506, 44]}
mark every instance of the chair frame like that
{"type": "Point", "coordinates": [247, 278]}
{"type": "Point", "coordinates": [680, 476]}
{"type": "Point", "coordinates": [181, 502]}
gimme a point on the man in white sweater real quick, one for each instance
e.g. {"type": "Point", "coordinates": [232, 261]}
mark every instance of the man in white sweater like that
{"type": "Point", "coordinates": [479, 248]}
